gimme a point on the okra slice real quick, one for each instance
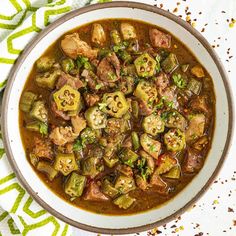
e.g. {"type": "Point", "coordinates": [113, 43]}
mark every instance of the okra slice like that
{"type": "Point", "coordinates": [153, 124]}
{"type": "Point", "coordinates": [65, 163]}
{"type": "Point", "coordinates": [110, 161]}
{"type": "Point", "coordinates": [127, 85]}
{"type": "Point", "coordinates": [125, 184]}
{"type": "Point", "coordinates": [135, 140]}
{"type": "Point", "coordinates": [96, 119]}
{"type": "Point", "coordinates": [37, 126]}
{"type": "Point", "coordinates": [128, 157]}
{"type": "Point", "coordinates": [175, 120]}
{"type": "Point", "coordinates": [145, 65]}
{"type": "Point", "coordinates": [44, 63]}
{"type": "Point", "coordinates": [39, 111]}
{"type": "Point", "coordinates": [115, 36]}
{"type": "Point", "coordinates": [124, 201]}
{"type": "Point", "coordinates": [174, 173]}
{"type": "Point", "coordinates": [88, 136]}
{"type": "Point", "coordinates": [108, 189]}
{"type": "Point", "coordinates": [48, 79]}
{"type": "Point", "coordinates": [27, 100]}
{"type": "Point", "coordinates": [48, 169]}
{"type": "Point", "coordinates": [174, 140]}
{"type": "Point", "coordinates": [75, 185]}
{"type": "Point", "coordinates": [67, 65]}
{"type": "Point", "coordinates": [91, 166]}
{"type": "Point", "coordinates": [146, 91]}
{"type": "Point", "coordinates": [165, 163]}
{"type": "Point", "coordinates": [170, 63]}
{"type": "Point", "coordinates": [151, 146]}
{"type": "Point", "coordinates": [194, 86]}
{"type": "Point", "coordinates": [116, 126]}
{"type": "Point", "coordinates": [115, 104]}
{"type": "Point", "coordinates": [67, 98]}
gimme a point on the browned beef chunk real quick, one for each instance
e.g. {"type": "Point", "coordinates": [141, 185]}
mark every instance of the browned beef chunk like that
{"type": "Point", "coordinates": [58, 113]}
{"type": "Point", "coordinates": [193, 161]}
{"type": "Point", "coordinates": [162, 82]}
{"type": "Point", "coordinates": [43, 148]}
{"type": "Point", "coordinates": [159, 39]}
{"type": "Point", "coordinates": [91, 99]}
{"type": "Point", "coordinates": [93, 193]}
{"type": "Point", "coordinates": [200, 104]}
{"type": "Point", "coordinates": [74, 82]}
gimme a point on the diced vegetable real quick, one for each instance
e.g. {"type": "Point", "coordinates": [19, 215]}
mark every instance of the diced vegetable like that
{"type": "Point", "coordinates": [48, 79]}
{"type": "Point", "coordinates": [109, 189]}
{"type": "Point", "coordinates": [37, 126]}
{"type": "Point", "coordinates": [45, 167]}
{"type": "Point", "coordinates": [173, 119]}
{"type": "Point", "coordinates": [135, 140]}
{"type": "Point", "coordinates": [115, 104]}
{"type": "Point", "coordinates": [180, 80]}
{"type": "Point", "coordinates": [91, 166]}
{"type": "Point", "coordinates": [75, 185]}
{"type": "Point", "coordinates": [174, 140]}
{"type": "Point", "coordinates": [141, 182]}
{"type": "Point", "coordinates": [145, 91]}
{"type": "Point", "coordinates": [27, 100]}
{"type": "Point", "coordinates": [153, 124]}
{"type": "Point", "coordinates": [65, 163]}
{"type": "Point", "coordinates": [127, 85]}
{"type": "Point", "coordinates": [111, 161]}
{"type": "Point", "coordinates": [88, 136]}
{"type": "Point", "coordinates": [67, 65]}
{"type": "Point", "coordinates": [96, 119]}
{"type": "Point", "coordinates": [124, 184]}
{"type": "Point", "coordinates": [124, 201]}
{"type": "Point", "coordinates": [128, 31]}
{"type": "Point", "coordinates": [129, 70]}
{"type": "Point", "coordinates": [125, 170]}
{"type": "Point", "coordinates": [198, 71]}
{"type": "Point", "coordinates": [194, 86]}
{"type": "Point", "coordinates": [98, 34]}
{"type": "Point", "coordinates": [145, 65]}
{"type": "Point", "coordinates": [115, 36]}
{"type": "Point", "coordinates": [201, 143]}
{"type": "Point", "coordinates": [184, 67]}
{"type": "Point", "coordinates": [44, 63]}
{"type": "Point", "coordinates": [39, 111]}
{"type": "Point", "coordinates": [67, 98]}
{"type": "Point", "coordinates": [174, 173]}
{"type": "Point", "coordinates": [196, 127]}
{"type": "Point", "coordinates": [33, 159]}
{"type": "Point", "coordinates": [170, 63]}
{"type": "Point", "coordinates": [124, 56]}
{"type": "Point", "coordinates": [135, 108]}
{"type": "Point", "coordinates": [165, 163]}
{"type": "Point", "coordinates": [150, 145]}
{"type": "Point", "coordinates": [128, 157]}
{"type": "Point", "coordinates": [83, 62]}
{"type": "Point", "coordinates": [116, 126]}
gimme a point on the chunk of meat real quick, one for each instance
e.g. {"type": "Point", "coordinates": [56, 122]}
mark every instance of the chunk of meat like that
{"type": "Point", "coordinates": [170, 95]}
{"type": "Point", "coordinates": [74, 82]}
{"type": "Point", "coordinates": [93, 193]}
{"type": "Point", "coordinates": [91, 99]}
{"type": "Point", "coordinates": [98, 34]}
{"type": "Point", "coordinates": [62, 135]}
{"type": "Point", "coordinates": [200, 104]}
{"type": "Point", "coordinates": [127, 143]}
{"type": "Point", "coordinates": [42, 148]}
{"type": "Point", "coordinates": [159, 39]}
{"type": "Point", "coordinates": [109, 68]}
{"type": "Point", "coordinates": [73, 47]}
{"type": "Point", "coordinates": [144, 108]}
{"type": "Point", "coordinates": [196, 127]}
{"type": "Point", "coordinates": [162, 82]}
{"type": "Point", "coordinates": [125, 170]}
{"type": "Point", "coordinates": [128, 31]}
{"type": "Point", "coordinates": [91, 78]}
{"type": "Point", "coordinates": [141, 183]}
{"type": "Point", "coordinates": [78, 124]}
{"type": "Point", "coordinates": [58, 113]}
{"type": "Point", "coordinates": [193, 161]}
{"type": "Point", "coordinates": [158, 183]}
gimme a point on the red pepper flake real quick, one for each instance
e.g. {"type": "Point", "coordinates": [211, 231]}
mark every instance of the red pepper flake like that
{"type": "Point", "coordinates": [230, 209]}
{"type": "Point", "coordinates": [161, 5]}
{"type": "Point", "coordinates": [234, 222]}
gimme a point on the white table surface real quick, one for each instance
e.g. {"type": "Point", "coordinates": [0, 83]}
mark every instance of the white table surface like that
{"type": "Point", "coordinates": [215, 213]}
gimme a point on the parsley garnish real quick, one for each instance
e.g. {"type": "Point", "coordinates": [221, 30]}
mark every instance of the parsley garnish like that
{"type": "Point", "coordinates": [43, 129]}
{"type": "Point", "coordinates": [179, 81]}
{"type": "Point", "coordinates": [77, 145]}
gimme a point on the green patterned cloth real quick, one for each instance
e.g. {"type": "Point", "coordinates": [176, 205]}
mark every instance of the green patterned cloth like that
{"type": "Point", "coordinates": [20, 22]}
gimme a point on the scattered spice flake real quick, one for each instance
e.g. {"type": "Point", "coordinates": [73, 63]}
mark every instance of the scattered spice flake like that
{"type": "Point", "coordinates": [200, 13]}
{"type": "Point", "coordinates": [178, 3]}
{"type": "Point", "coordinates": [194, 24]}
{"type": "Point", "coordinates": [188, 18]}
{"type": "Point", "coordinates": [203, 30]}
{"type": "Point", "coordinates": [199, 234]}
{"type": "Point", "coordinates": [223, 12]}
{"type": "Point", "coordinates": [234, 222]}
{"type": "Point", "coordinates": [154, 232]}
{"type": "Point", "coordinates": [181, 227]}
{"type": "Point", "coordinates": [231, 24]}
{"type": "Point", "coordinates": [215, 202]}
{"type": "Point", "coordinates": [175, 10]}
{"type": "Point", "coordinates": [230, 209]}
{"type": "Point", "coordinates": [161, 5]}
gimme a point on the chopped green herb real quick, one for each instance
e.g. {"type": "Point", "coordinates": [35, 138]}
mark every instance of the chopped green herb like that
{"type": "Point", "coordinates": [43, 128]}
{"type": "Point", "coordinates": [98, 86]}
{"type": "Point", "coordinates": [101, 106]}
{"type": "Point", "coordinates": [77, 146]}
{"type": "Point", "coordinates": [179, 81]}
{"type": "Point", "coordinates": [83, 62]}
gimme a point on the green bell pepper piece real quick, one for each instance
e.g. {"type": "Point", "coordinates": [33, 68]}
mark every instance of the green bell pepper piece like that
{"type": "Point", "coordinates": [65, 163]}
{"type": "Point", "coordinates": [96, 119]}
{"type": "Point", "coordinates": [145, 65]}
{"type": "Point", "coordinates": [39, 111]}
{"type": "Point", "coordinates": [153, 124]}
{"type": "Point", "coordinates": [75, 185]}
{"type": "Point", "coordinates": [115, 104]}
{"type": "Point", "coordinates": [174, 140]}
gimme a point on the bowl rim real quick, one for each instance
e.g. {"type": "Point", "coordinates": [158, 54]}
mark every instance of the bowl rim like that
{"type": "Point", "coordinates": [57, 23]}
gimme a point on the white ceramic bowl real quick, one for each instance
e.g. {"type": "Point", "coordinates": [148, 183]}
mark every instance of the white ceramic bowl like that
{"type": "Point", "coordinates": [103, 223]}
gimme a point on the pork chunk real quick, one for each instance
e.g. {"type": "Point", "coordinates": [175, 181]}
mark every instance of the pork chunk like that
{"type": "Point", "coordinates": [93, 193]}
{"type": "Point", "coordinates": [159, 39]}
